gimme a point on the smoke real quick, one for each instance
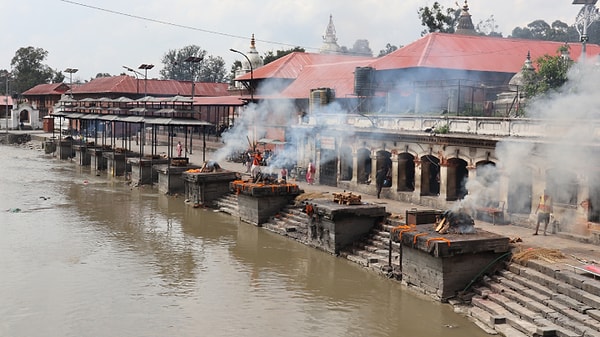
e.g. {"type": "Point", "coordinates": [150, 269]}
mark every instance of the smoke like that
{"type": "Point", "coordinates": [560, 157]}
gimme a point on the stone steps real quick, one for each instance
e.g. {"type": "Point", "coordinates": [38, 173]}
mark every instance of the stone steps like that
{"type": "Point", "coordinates": [228, 204]}
{"type": "Point", "coordinates": [538, 299]}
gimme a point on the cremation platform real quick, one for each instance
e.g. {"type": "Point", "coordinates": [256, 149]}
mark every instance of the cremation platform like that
{"type": "Point", "coordinates": [334, 225]}
{"type": "Point", "coordinates": [203, 188]}
{"type": "Point", "coordinates": [257, 202]}
{"type": "Point", "coordinates": [97, 161]}
{"type": "Point", "coordinates": [170, 178]}
{"type": "Point", "coordinates": [143, 170]}
{"type": "Point", "coordinates": [444, 264]}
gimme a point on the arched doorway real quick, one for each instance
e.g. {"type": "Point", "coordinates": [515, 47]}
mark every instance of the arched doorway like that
{"type": "Point", "coordinates": [328, 167]}
{"type": "Point", "coordinates": [384, 161]}
{"type": "Point", "coordinates": [406, 172]}
{"type": "Point", "coordinates": [456, 179]}
{"type": "Point", "coordinates": [562, 186]}
{"type": "Point", "coordinates": [430, 176]}
{"type": "Point", "coordinates": [487, 177]}
{"type": "Point", "coordinates": [519, 191]}
{"type": "Point", "coordinates": [346, 163]}
{"type": "Point", "coordinates": [364, 165]}
{"type": "Point", "coordinates": [24, 118]}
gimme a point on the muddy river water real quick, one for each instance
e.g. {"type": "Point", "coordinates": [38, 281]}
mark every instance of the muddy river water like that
{"type": "Point", "coordinates": [86, 255]}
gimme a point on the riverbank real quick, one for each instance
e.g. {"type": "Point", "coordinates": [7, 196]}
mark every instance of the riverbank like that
{"type": "Point", "coordinates": [574, 253]}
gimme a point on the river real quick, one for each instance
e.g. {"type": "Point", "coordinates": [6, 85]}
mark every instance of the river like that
{"type": "Point", "coordinates": [86, 255]}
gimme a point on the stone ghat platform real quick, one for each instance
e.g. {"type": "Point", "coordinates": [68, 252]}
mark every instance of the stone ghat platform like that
{"type": "Point", "coordinates": [204, 188]}
{"type": "Point", "coordinates": [257, 202]}
{"type": "Point", "coordinates": [334, 226]}
{"type": "Point", "coordinates": [445, 264]}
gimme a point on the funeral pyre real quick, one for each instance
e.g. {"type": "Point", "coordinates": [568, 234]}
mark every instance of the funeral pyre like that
{"type": "Point", "coordinates": [264, 185]}
{"type": "Point", "coordinates": [455, 222]}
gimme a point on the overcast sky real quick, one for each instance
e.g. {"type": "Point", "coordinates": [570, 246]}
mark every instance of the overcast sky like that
{"type": "Point", "coordinates": [100, 36]}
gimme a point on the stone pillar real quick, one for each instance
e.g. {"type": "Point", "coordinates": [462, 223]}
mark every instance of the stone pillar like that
{"type": "Point", "coordinates": [443, 181]}
{"type": "Point", "coordinates": [418, 175]}
{"type": "Point", "coordinates": [394, 172]}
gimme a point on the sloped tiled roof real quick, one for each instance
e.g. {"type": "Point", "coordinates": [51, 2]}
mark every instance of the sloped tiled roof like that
{"type": "Point", "coordinates": [338, 76]}
{"type": "Point", "coordinates": [47, 89]}
{"type": "Point", "coordinates": [476, 53]}
{"type": "Point", "coordinates": [125, 84]}
{"type": "Point", "coordinates": [291, 65]}
{"type": "Point", "coordinates": [3, 100]}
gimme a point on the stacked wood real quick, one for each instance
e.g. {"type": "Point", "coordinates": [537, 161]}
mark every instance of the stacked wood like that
{"type": "Point", "coordinates": [347, 198]}
{"type": "Point", "coordinates": [179, 162]}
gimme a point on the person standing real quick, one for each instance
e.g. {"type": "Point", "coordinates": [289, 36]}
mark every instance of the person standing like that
{"type": "Point", "coordinates": [543, 211]}
{"type": "Point", "coordinates": [310, 172]}
{"type": "Point", "coordinates": [179, 149]}
{"type": "Point", "coordinates": [283, 175]}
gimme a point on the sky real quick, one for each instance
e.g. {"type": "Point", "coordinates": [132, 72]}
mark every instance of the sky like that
{"type": "Point", "coordinates": [102, 36]}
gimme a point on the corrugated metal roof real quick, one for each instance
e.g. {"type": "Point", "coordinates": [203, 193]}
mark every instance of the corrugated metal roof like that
{"type": "Point", "coordinates": [339, 77]}
{"type": "Point", "coordinates": [291, 65]}
{"type": "Point", "coordinates": [125, 84]}
{"type": "Point", "coordinates": [476, 53]}
{"type": "Point", "coordinates": [47, 89]}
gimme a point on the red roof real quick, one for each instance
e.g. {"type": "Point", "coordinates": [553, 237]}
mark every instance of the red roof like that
{"type": "Point", "coordinates": [3, 100]}
{"type": "Point", "coordinates": [292, 64]}
{"type": "Point", "coordinates": [478, 53]}
{"type": "Point", "coordinates": [125, 84]}
{"type": "Point", "coordinates": [339, 76]}
{"type": "Point", "coordinates": [219, 100]}
{"type": "Point", "coordinates": [47, 89]}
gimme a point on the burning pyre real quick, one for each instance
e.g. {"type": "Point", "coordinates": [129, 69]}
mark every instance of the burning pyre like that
{"type": "Point", "coordinates": [455, 222]}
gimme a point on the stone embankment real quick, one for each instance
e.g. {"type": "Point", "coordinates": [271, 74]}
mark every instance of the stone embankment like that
{"type": "Point", "coordinates": [529, 298]}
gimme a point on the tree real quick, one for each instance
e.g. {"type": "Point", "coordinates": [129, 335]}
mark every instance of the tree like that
{"type": "Point", "coordinates": [28, 70]}
{"type": "Point", "coordinates": [209, 69]}
{"type": "Point", "coordinates": [389, 48]}
{"type": "Point", "coordinates": [551, 73]}
{"type": "Point", "coordinates": [361, 48]}
{"type": "Point", "coordinates": [270, 57]}
{"type": "Point", "coordinates": [541, 30]}
{"type": "Point", "coordinates": [438, 19]}
{"type": "Point", "coordinates": [488, 27]}
{"type": "Point", "coordinates": [213, 70]}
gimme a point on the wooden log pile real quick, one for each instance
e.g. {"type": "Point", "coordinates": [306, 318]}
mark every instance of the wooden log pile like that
{"type": "Point", "coordinates": [347, 198]}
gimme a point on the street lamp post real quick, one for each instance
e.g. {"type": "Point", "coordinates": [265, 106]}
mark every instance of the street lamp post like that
{"type": "Point", "coordinates": [586, 16]}
{"type": "Point", "coordinates": [251, 85]}
{"type": "Point", "coordinates": [71, 71]}
{"type": "Point", "coordinates": [146, 67]}
{"type": "Point", "coordinates": [194, 60]}
{"type": "Point", "coordinates": [135, 73]}
{"type": "Point", "coordinates": [7, 74]}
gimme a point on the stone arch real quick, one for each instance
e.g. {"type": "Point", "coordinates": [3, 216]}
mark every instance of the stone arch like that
{"type": "Point", "coordinates": [406, 172]}
{"type": "Point", "coordinates": [384, 162]}
{"type": "Point", "coordinates": [456, 179]}
{"type": "Point", "coordinates": [346, 163]}
{"type": "Point", "coordinates": [520, 187]}
{"type": "Point", "coordinates": [328, 163]}
{"type": "Point", "coordinates": [430, 175]}
{"type": "Point", "coordinates": [487, 178]}
{"type": "Point", "coordinates": [24, 116]}
{"type": "Point", "coordinates": [364, 164]}
{"type": "Point", "coordinates": [562, 185]}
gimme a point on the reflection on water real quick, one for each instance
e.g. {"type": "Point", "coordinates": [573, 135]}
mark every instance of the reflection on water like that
{"type": "Point", "coordinates": [91, 256]}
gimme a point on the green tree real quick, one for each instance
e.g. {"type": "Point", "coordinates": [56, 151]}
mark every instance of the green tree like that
{"type": "Point", "coordinates": [551, 73]}
{"type": "Point", "coordinates": [389, 48]}
{"type": "Point", "coordinates": [438, 19]}
{"type": "Point", "coordinates": [28, 69]}
{"type": "Point", "coordinates": [209, 69]}
{"type": "Point", "coordinates": [541, 30]}
{"type": "Point", "coordinates": [361, 48]}
{"type": "Point", "coordinates": [270, 56]}
{"type": "Point", "coordinates": [488, 27]}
